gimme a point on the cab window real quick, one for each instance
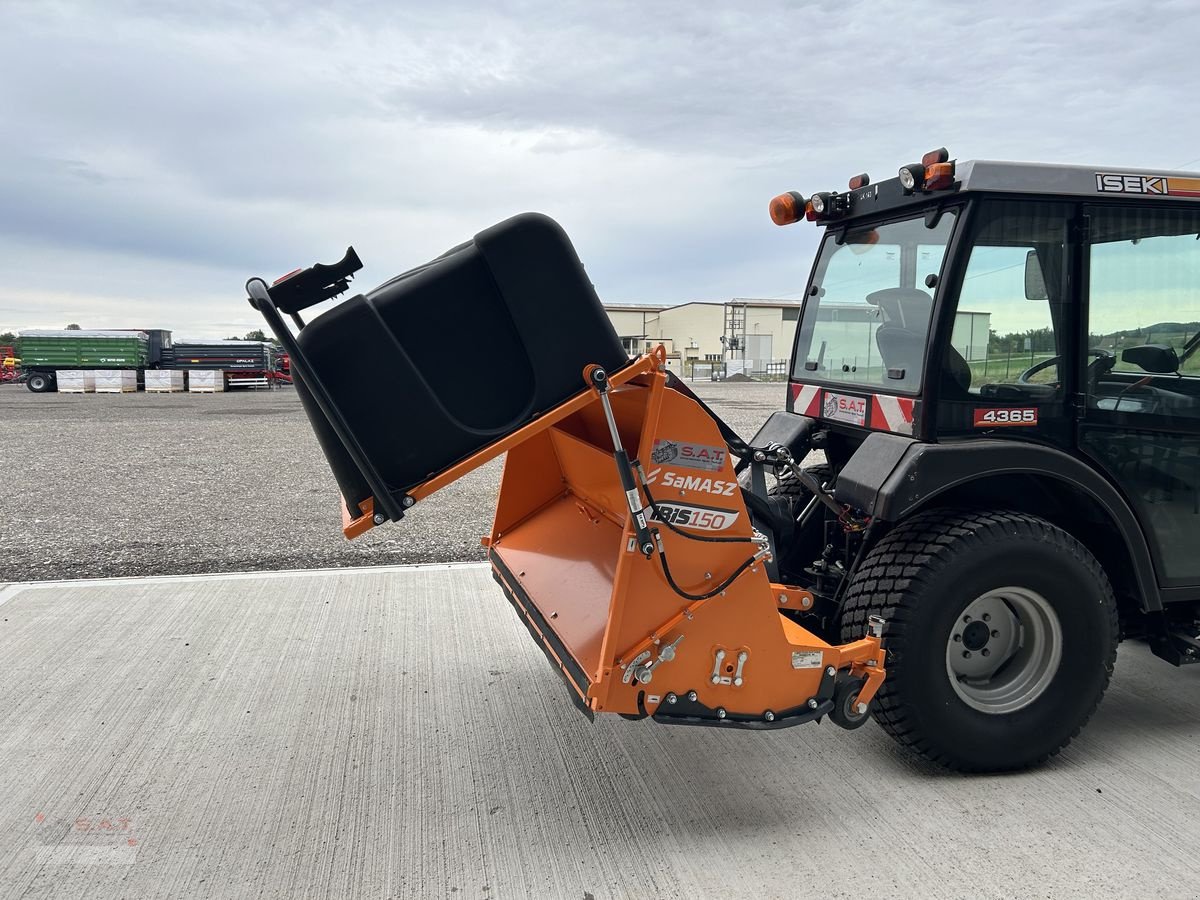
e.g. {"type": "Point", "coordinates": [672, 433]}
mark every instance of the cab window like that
{"type": "Point", "coordinates": [1005, 339]}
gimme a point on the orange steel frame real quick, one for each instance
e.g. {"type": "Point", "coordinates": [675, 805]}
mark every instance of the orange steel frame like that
{"type": "Point", "coordinates": [562, 546]}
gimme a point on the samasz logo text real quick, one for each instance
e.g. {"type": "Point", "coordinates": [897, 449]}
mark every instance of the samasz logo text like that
{"type": "Point", "coordinates": [693, 483]}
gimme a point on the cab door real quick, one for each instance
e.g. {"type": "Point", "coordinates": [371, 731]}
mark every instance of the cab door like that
{"type": "Point", "coordinates": [1002, 371]}
{"type": "Point", "coordinates": [1140, 417]}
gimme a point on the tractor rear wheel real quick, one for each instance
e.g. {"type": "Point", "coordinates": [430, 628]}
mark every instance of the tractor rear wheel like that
{"type": "Point", "coordinates": [1001, 634]}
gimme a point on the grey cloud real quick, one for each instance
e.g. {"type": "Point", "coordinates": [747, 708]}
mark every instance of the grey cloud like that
{"type": "Point", "coordinates": [231, 138]}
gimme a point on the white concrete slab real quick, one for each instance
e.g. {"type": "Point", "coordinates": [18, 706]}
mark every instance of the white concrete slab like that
{"type": "Point", "coordinates": [397, 734]}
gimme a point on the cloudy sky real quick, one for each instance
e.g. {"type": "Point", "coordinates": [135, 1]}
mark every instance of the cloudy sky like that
{"type": "Point", "coordinates": [156, 154]}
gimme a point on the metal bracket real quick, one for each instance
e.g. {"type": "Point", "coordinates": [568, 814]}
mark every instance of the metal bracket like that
{"type": "Point", "coordinates": [644, 671]}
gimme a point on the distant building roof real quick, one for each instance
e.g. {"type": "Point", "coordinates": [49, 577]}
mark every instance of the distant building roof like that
{"type": "Point", "coordinates": [750, 301]}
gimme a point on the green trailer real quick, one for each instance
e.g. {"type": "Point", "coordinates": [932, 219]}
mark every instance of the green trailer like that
{"type": "Point", "coordinates": [45, 353]}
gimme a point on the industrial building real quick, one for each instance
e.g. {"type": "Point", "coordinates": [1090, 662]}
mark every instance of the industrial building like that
{"type": "Point", "coordinates": [746, 335]}
{"type": "Point", "coordinates": [756, 336]}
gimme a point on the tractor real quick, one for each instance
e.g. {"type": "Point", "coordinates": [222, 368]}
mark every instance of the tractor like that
{"type": "Point", "coordinates": [986, 473]}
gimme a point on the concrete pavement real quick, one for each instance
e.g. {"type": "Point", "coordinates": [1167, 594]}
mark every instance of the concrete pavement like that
{"type": "Point", "coordinates": [395, 733]}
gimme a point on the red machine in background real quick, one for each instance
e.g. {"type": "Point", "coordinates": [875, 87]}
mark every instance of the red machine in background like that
{"type": "Point", "coordinates": [10, 365]}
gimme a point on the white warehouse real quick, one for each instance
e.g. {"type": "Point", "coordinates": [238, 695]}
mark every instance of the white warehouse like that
{"type": "Point", "coordinates": [758, 333]}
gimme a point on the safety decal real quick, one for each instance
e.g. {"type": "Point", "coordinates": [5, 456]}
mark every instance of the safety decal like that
{"type": "Point", "coordinates": [699, 518]}
{"type": "Point", "coordinates": [806, 400]}
{"type": "Point", "coordinates": [844, 408]}
{"type": "Point", "coordinates": [693, 456]}
{"type": "Point", "coordinates": [894, 414]}
{"type": "Point", "coordinates": [1153, 185]}
{"type": "Point", "coordinates": [807, 659]}
{"type": "Point", "coordinates": [1005, 416]}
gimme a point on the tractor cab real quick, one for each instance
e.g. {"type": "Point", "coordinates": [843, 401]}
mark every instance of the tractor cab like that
{"type": "Point", "coordinates": [1015, 315]}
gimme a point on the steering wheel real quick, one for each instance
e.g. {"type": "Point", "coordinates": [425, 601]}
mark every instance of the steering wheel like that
{"type": "Point", "coordinates": [1093, 368]}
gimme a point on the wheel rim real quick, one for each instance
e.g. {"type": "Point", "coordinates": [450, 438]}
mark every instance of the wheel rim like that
{"type": "Point", "coordinates": [1004, 650]}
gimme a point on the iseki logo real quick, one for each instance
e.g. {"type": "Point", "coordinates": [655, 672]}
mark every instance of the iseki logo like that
{"type": "Point", "coordinates": [1109, 183]}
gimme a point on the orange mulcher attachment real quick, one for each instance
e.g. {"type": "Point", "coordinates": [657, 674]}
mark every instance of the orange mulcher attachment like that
{"type": "Point", "coordinates": [655, 599]}
{"type": "Point", "coordinates": [645, 582]}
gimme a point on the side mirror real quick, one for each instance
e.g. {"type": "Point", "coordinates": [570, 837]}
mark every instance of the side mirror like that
{"type": "Point", "coordinates": [1035, 280]}
{"type": "Point", "coordinates": [1157, 359]}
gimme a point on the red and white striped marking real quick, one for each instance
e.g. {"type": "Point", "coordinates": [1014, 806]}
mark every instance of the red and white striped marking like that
{"type": "Point", "coordinates": [806, 399]}
{"type": "Point", "coordinates": [893, 414]}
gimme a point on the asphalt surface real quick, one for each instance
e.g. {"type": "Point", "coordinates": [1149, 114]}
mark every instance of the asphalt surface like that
{"type": "Point", "coordinates": [398, 734]}
{"type": "Point", "coordinates": [150, 484]}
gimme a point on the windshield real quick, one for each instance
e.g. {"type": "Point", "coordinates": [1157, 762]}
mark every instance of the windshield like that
{"type": "Point", "coordinates": [866, 319]}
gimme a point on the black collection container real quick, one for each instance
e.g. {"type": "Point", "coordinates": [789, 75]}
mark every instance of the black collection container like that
{"type": "Point", "coordinates": [439, 362]}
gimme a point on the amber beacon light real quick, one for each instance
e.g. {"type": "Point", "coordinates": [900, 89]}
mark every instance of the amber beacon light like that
{"type": "Point", "coordinates": [787, 208]}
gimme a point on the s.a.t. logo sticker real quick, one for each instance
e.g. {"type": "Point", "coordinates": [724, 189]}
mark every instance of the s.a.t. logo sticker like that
{"type": "Point", "coordinates": [694, 456]}
{"type": "Point", "coordinates": [664, 451]}
{"type": "Point", "coordinates": [844, 408]}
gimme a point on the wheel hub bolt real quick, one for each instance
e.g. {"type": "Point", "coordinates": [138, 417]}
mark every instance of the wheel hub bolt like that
{"type": "Point", "coordinates": [966, 654]}
{"type": "Point", "coordinates": [986, 652]}
{"type": "Point", "coordinates": [966, 618]}
{"type": "Point", "coordinates": [987, 617]}
{"type": "Point", "coordinates": [957, 638]}
{"type": "Point", "coordinates": [995, 633]}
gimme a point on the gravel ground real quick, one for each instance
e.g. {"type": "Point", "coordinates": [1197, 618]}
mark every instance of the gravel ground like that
{"type": "Point", "coordinates": [163, 484]}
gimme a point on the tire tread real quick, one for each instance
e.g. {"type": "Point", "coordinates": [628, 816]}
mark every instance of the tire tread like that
{"type": "Point", "coordinates": [894, 577]}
